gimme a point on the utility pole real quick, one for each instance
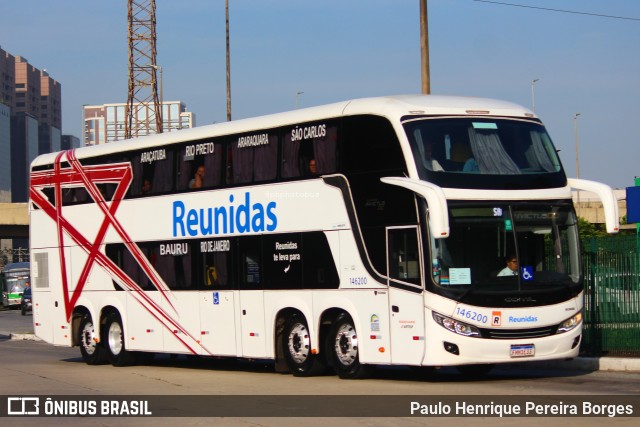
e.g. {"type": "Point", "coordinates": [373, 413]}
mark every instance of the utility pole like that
{"type": "Point", "coordinates": [424, 48]}
{"type": "Point", "coordinates": [575, 128]}
{"type": "Point", "coordinates": [228, 67]}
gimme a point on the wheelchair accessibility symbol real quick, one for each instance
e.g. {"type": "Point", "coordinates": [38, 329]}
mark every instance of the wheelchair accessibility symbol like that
{"type": "Point", "coordinates": [216, 298]}
{"type": "Point", "coordinates": [527, 273]}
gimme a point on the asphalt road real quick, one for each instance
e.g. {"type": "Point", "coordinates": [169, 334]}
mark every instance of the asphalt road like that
{"type": "Point", "coordinates": [11, 321]}
{"type": "Point", "coordinates": [31, 368]}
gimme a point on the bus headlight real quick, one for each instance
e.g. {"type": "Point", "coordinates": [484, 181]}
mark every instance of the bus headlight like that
{"type": "Point", "coordinates": [456, 326]}
{"type": "Point", "coordinates": [570, 324]}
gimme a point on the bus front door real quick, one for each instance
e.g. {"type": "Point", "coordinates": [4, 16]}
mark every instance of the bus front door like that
{"type": "Point", "coordinates": [406, 303]}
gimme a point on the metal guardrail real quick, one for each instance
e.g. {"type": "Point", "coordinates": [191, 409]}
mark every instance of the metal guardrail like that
{"type": "Point", "coordinates": [612, 296]}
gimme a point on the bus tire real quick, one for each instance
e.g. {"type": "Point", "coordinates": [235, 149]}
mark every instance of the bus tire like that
{"type": "Point", "coordinates": [113, 335]}
{"type": "Point", "coordinates": [344, 350]}
{"type": "Point", "coordinates": [296, 345]}
{"type": "Point", "coordinates": [93, 352]}
{"type": "Point", "coordinates": [475, 371]}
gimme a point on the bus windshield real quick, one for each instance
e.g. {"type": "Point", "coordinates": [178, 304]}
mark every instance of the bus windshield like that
{"type": "Point", "coordinates": [15, 286]}
{"type": "Point", "coordinates": [503, 153]}
{"type": "Point", "coordinates": [506, 249]}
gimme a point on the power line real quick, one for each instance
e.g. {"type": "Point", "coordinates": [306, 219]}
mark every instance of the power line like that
{"type": "Point", "coordinates": [599, 15]}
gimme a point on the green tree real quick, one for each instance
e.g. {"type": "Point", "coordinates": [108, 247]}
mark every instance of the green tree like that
{"type": "Point", "coordinates": [587, 229]}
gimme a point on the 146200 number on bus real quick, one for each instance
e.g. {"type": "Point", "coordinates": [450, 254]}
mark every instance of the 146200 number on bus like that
{"type": "Point", "coordinates": [472, 315]}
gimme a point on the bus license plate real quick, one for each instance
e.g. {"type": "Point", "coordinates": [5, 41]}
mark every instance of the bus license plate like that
{"type": "Point", "coordinates": [523, 350]}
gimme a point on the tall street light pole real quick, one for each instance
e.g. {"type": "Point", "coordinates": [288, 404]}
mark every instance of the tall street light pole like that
{"type": "Point", "coordinates": [297, 96]}
{"type": "Point", "coordinates": [424, 48]}
{"type": "Point", "coordinates": [228, 66]}
{"type": "Point", "coordinates": [575, 130]}
{"type": "Point", "coordinates": [533, 95]}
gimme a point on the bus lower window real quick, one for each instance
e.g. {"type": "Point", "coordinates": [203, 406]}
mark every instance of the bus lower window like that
{"type": "Point", "coordinates": [216, 271]}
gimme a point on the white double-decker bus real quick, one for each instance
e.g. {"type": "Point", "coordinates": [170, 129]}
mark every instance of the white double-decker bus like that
{"type": "Point", "coordinates": [410, 230]}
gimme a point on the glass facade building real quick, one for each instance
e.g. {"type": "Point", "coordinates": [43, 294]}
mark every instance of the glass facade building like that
{"type": "Point", "coordinates": [106, 123]}
{"type": "Point", "coordinates": [5, 159]}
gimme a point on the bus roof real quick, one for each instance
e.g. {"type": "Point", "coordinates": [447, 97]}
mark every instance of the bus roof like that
{"type": "Point", "coordinates": [15, 266]}
{"type": "Point", "coordinates": [392, 107]}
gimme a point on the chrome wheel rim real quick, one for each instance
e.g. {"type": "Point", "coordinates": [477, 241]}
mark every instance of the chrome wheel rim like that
{"type": "Point", "coordinates": [88, 338]}
{"type": "Point", "coordinates": [299, 343]}
{"type": "Point", "coordinates": [346, 344]}
{"type": "Point", "coordinates": [115, 338]}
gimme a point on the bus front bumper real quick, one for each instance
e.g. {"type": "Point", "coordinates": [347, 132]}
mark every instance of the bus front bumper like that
{"type": "Point", "coordinates": [446, 348]}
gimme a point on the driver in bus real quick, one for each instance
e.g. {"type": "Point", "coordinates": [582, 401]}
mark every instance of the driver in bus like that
{"type": "Point", "coordinates": [512, 267]}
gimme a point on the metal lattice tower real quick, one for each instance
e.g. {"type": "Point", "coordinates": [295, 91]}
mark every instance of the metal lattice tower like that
{"type": "Point", "coordinates": [144, 109]}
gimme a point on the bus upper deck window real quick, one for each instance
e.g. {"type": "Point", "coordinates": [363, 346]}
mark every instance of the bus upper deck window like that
{"type": "Point", "coordinates": [200, 165]}
{"type": "Point", "coordinates": [309, 150]}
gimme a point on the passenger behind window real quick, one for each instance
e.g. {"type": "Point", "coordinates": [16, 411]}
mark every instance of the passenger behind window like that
{"type": "Point", "coordinates": [471, 165]}
{"type": "Point", "coordinates": [427, 160]}
{"type": "Point", "coordinates": [146, 186]}
{"type": "Point", "coordinates": [198, 178]}
{"type": "Point", "coordinates": [313, 170]}
{"type": "Point", "coordinates": [461, 153]}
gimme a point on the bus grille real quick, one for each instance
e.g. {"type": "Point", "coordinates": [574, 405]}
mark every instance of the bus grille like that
{"type": "Point", "coordinates": [506, 334]}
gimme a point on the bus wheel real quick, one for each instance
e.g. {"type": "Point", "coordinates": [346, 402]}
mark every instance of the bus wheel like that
{"type": "Point", "coordinates": [296, 343]}
{"type": "Point", "coordinates": [116, 352]}
{"type": "Point", "coordinates": [92, 351]}
{"type": "Point", "coordinates": [343, 347]}
{"type": "Point", "coordinates": [474, 371]}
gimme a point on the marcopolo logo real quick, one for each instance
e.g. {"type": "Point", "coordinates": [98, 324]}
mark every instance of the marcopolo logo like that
{"type": "Point", "coordinates": [244, 217]}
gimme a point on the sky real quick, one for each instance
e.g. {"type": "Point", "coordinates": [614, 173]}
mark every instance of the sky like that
{"type": "Point", "coordinates": [334, 50]}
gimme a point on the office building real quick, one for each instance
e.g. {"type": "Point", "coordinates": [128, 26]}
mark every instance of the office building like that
{"type": "Point", "coordinates": [24, 148]}
{"type": "Point", "coordinates": [5, 149]}
{"type": "Point", "coordinates": [8, 79]}
{"type": "Point", "coordinates": [30, 122]}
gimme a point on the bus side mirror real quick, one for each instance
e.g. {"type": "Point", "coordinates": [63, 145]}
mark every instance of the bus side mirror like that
{"type": "Point", "coordinates": [608, 198]}
{"type": "Point", "coordinates": [438, 218]}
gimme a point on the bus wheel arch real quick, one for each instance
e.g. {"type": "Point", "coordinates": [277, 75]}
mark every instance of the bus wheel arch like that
{"type": "Point", "coordinates": [113, 338]}
{"type": "Point", "coordinates": [86, 335]}
{"type": "Point", "coordinates": [343, 348]}
{"type": "Point", "coordinates": [294, 345]}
